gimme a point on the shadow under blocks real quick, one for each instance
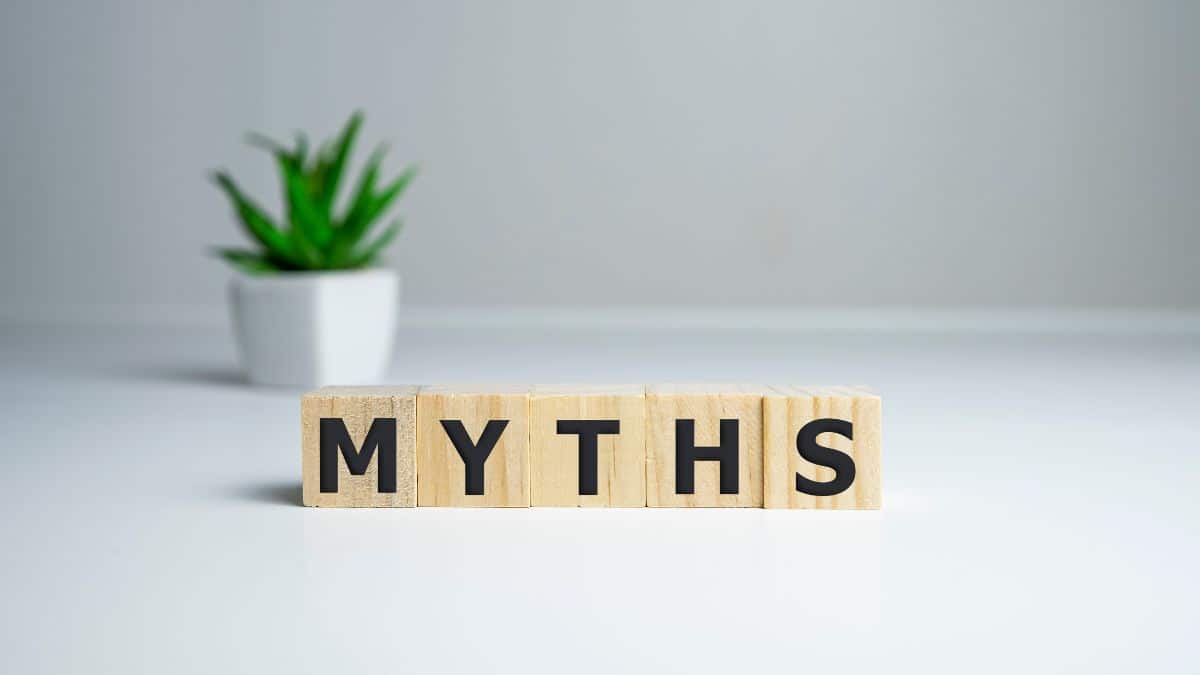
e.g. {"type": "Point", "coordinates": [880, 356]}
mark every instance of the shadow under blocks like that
{"type": "Point", "coordinates": [676, 445]}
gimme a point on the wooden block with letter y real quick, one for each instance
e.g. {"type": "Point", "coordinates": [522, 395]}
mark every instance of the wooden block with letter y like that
{"type": "Point", "coordinates": [587, 445]}
{"type": "Point", "coordinates": [821, 448]}
{"type": "Point", "coordinates": [704, 445]}
{"type": "Point", "coordinates": [358, 446]}
{"type": "Point", "coordinates": [473, 446]}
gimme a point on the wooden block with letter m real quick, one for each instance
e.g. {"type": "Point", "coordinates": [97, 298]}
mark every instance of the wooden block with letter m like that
{"type": "Point", "coordinates": [359, 447]}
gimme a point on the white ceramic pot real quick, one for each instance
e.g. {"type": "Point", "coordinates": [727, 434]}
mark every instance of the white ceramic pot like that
{"type": "Point", "coordinates": [307, 329]}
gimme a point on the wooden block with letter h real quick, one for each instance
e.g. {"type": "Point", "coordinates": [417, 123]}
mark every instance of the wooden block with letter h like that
{"type": "Point", "coordinates": [821, 448]}
{"type": "Point", "coordinates": [704, 445]}
{"type": "Point", "coordinates": [358, 446]}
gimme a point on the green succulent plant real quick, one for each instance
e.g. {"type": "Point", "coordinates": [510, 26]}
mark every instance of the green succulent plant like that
{"type": "Point", "coordinates": [312, 235]}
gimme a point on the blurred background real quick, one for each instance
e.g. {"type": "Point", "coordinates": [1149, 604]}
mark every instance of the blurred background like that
{"type": "Point", "coordinates": [620, 154]}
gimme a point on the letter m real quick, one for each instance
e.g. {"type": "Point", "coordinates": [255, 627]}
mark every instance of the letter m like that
{"type": "Point", "coordinates": [381, 436]}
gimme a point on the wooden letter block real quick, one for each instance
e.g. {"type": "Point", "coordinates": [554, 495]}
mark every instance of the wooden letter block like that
{"type": "Point", "coordinates": [473, 446]}
{"type": "Point", "coordinates": [358, 446]}
{"type": "Point", "coordinates": [587, 446]}
{"type": "Point", "coordinates": [821, 448]}
{"type": "Point", "coordinates": [704, 445]}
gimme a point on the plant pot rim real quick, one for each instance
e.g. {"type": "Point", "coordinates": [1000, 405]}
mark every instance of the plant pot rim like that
{"type": "Point", "coordinates": [309, 276]}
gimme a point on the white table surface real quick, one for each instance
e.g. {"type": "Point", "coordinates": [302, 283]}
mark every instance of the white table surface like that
{"type": "Point", "coordinates": [1040, 515]}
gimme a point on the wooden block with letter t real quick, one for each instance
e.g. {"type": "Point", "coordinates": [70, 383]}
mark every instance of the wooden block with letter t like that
{"type": "Point", "coordinates": [704, 445]}
{"type": "Point", "coordinates": [587, 445]}
{"type": "Point", "coordinates": [358, 446]}
{"type": "Point", "coordinates": [821, 448]}
{"type": "Point", "coordinates": [473, 446]}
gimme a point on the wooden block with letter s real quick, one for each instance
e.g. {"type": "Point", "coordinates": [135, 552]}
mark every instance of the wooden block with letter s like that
{"type": "Point", "coordinates": [821, 448]}
{"type": "Point", "coordinates": [587, 445]}
{"type": "Point", "coordinates": [704, 445]}
{"type": "Point", "coordinates": [473, 445]}
{"type": "Point", "coordinates": [358, 446]}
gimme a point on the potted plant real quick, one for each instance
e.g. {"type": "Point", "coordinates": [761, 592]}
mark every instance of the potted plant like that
{"type": "Point", "coordinates": [309, 304]}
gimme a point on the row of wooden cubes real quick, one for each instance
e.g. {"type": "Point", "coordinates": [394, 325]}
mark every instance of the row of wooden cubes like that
{"type": "Point", "coordinates": [535, 460]}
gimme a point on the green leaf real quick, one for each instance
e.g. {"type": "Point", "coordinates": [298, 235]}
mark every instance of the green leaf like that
{"type": "Point", "coordinates": [337, 163]}
{"type": "Point", "coordinates": [367, 256]}
{"type": "Point", "coordinates": [360, 203]}
{"type": "Point", "coordinates": [265, 142]}
{"type": "Point", "coordinates": [325, 151]}
{"type": "Point", "coordinates": [258, 225]}
{"type": "Point", "coordinates": [305, 253]}
{"type": "Point", "coordinates": [248, 261]}
{"type": "Point", "coordinates": [320, 166]}
{"type": "Point", "coordinates": [354, 225]}
{"type": "Point", "coordinates": [301, 152]}
{"type": "Point", "coordinates": [305, 215]}
{"type": "Point", "coordinates": [380, 202]}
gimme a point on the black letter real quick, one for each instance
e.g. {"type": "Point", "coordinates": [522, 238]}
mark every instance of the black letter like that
{"type": "Point", "coordinates": [840, 462]}
{"type": "Point", "coordinates": [686, 454]}
{"type": "Point", "coordinates": [381, 435]}
{"type": "Point", "coordinates": [473, 456]}
{"type": "Point", "coordinates": [588, 430]}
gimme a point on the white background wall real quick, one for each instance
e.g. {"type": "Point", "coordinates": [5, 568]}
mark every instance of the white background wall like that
{"type": "Point", "coordinates": [624, 153]}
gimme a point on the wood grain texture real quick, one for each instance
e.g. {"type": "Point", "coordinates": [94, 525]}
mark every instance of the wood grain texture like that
{"type": "Point", "coordinates": [554, 457]}
{"type": "Point", "coordinates": [358, 407]}
{"type": "Point", "coordinates": [786, 409]}
{"type": "Point", "coordinates": [441, 471]}
{"type": "Point", "coordinates": [707, 405]}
